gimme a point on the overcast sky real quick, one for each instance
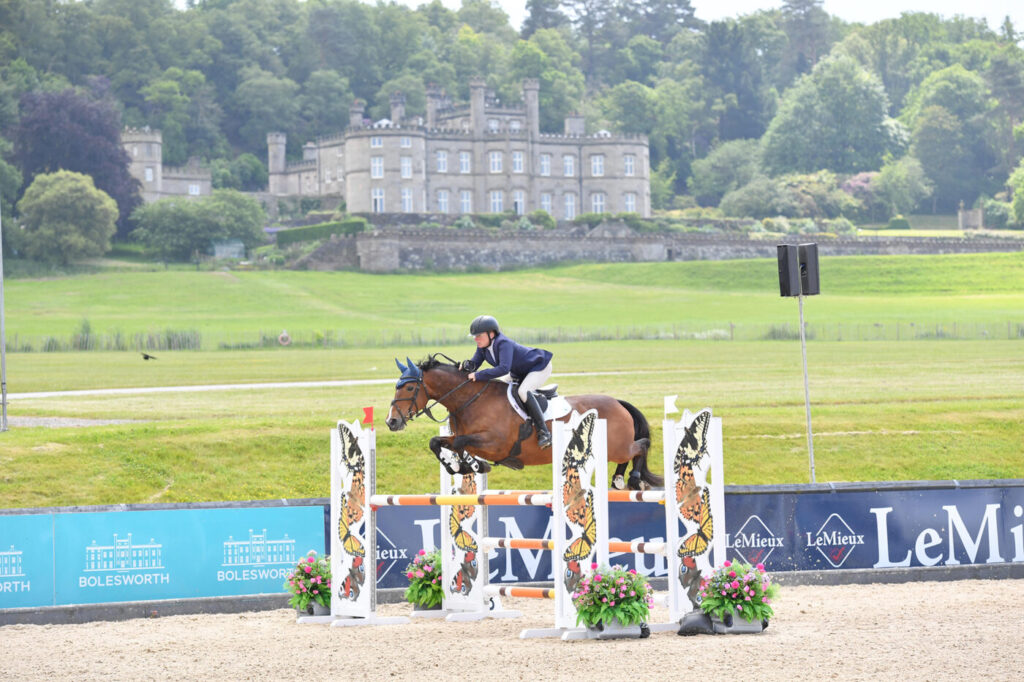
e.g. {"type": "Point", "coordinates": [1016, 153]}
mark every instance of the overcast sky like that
{"type": "Point", "coordinates": [865, 11]}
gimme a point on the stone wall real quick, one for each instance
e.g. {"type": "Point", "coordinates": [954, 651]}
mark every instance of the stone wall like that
{"type": "Point", "coordinates": [446, 249]}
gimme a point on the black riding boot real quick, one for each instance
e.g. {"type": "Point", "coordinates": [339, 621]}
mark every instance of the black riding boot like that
{"type": "Point", "coordinates": [543, 435]}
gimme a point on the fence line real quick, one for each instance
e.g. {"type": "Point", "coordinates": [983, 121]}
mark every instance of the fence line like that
{"type": "Point", "coordinates": [190, 339]}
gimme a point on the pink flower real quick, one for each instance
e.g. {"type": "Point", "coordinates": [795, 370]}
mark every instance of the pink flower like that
{"type": "Point", "coordinates": [604, 599]}
{"type": "Point", "coordinates": [735, 584]}
{"type": "Point", "coordinates": [593, 567]}
{"type": "Point", "coordinates": [428, 569]}
{"type": "Point", "coordinates": [760, 567]}
{"type": "Point", "coordinates": [632, 593]}
{"type": "Point", "coordinates": [732, 574]}
{"type": "Point", "coordinates": [311, 560]}
{"type": "Point", "coordinates": [597, 578]}
{"type": "Point", "coordinates": [309, 569]}
{"type": "Point", "coordinates": [723, 593]}
{"type": "Point", "coordinates": [409, 575]}
{"type": "Point", "coordinates": [421, 552]}
{"type": "Point", "coordinates": [419, 574]}
{"type": "Point", "coordinates": [739, 606]}
{"type": "Point", "coordinates": [612, 603]}
{"type": "Point", "coordinates": [727, 563]}
{"type": "Point", "coordinates": [316, 591]}
{"type": "Point", "coordinates": [746, 598]}
{"type": "Point", "coordinates": [632, 571]}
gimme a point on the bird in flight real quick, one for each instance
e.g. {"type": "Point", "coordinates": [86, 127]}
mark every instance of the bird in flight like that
{"type": "Point", "coordinates": [147, 356]}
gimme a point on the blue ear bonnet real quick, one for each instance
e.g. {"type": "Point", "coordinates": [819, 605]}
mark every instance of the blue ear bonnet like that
{"type": "Point", "coordinates": [410, 372]}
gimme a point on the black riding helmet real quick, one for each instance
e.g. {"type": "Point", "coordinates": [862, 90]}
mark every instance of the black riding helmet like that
{"type": "Point", "coordinates": [484, 324]}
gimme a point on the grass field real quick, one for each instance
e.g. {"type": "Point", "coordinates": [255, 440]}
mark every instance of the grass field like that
{"type": "Point", "coordinates": [863, 298]}
{"type": "Point", "coordinates": [913, 410]}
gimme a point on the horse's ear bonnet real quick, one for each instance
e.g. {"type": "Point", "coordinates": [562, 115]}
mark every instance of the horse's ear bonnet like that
{"type": "Point", "coordinates": [410, 372]}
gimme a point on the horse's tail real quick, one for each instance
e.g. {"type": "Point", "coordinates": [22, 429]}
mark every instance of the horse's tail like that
{"type": "Point", "coordinates": [642, 432]}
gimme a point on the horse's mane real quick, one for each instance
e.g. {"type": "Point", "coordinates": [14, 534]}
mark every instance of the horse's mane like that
{"type": "Point", "coordinates": [433, 362]}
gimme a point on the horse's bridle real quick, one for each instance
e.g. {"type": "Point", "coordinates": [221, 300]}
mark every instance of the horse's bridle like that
{"type": "Point", "coordinates": [412, 413]}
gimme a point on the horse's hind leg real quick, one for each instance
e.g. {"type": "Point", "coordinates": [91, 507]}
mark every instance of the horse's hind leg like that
{"type": "Point", "coordinates": [618, 480]}
{"type": "Point", "coordinates": [636, 479]}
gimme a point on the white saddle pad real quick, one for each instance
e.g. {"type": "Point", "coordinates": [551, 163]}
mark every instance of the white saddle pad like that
{"type": "Point", "coordinates": [557, 407]}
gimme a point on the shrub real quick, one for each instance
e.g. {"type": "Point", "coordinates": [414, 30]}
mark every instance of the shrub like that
{"type": "Point", "coordinates": [542, 219]}
{"type": "Point", "coordinates": [320, 231]}
{"type": "Point", "coordinates": [591, 220]}
{"type": "Point", "coordinates": [898, 222]}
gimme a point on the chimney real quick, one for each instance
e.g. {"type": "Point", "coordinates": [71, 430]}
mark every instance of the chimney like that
{"type": "Point", "coordinates": [397, 108]}
{"type": "Point", "coordinates": [355, 114]}
{"type": "Point", "coordinates": [433, 104]}
{"type": "Point", "coordinates": [477, 96]}
{"type": "Point", "coordinates": [531, 96]}
{"type": "Point", "coordinates": [574, 125]}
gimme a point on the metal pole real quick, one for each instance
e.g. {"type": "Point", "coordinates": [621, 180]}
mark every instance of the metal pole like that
{"type": "Point", "coordinates": [807, 391]}
{"type": "Point", "coordinates": [3, 335]}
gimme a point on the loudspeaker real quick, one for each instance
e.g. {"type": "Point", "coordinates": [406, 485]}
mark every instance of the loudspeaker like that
{"type": "Point", "coordinates": [809, 283]}
{"type": "Point", "coordinates": [789, 270]}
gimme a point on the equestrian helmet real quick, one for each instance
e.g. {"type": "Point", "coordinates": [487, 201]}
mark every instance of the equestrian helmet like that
{"type": "Point", "coordinates": [483, 324]}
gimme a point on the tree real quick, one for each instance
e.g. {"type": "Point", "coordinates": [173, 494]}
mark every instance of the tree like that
{"type": "Point", "coordinates": [1016, 183]}
{"type": "Point", "coordinates": [902, 185]}
{"type": "Point", "coordinates": [833, 118]}
{"type": "Point", "coordinates": [939, 143]}
{"type": "Point", "coordinates": [632, 107]}
{"type": "Point", "coordinates": [729, 166]}
{"type": "Point", "coordinates": [180, 228]}
{"type": "Point", "coordinates": [807, 26]}
{"type": "Point", "coordinates": [66, 217]}
{"type": "Point", "coordinates": [542, 14]}
{"type": "Point", "coordinates": [659, 20]}
{"type": "Point", "coordinates": [70, 131]}
{"type": "Point", "coordinates": [733, 73]}
{"type": "Point", "coordinates": [264, 102]}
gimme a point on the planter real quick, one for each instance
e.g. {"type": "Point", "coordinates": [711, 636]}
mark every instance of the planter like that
{"type": "Point", "coordinates": [421, 607]}
{"type": "Point", "coordinates": [616, 630]}
{"type": "Point", "coordinates": [320, 610]}
{"type": "Point", "coordinates": [732, 624]}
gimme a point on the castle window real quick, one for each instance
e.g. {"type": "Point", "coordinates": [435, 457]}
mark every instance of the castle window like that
{"type": "Point", "coordinates": [327, 175]}
{"type": "Point", "coordinates": [597, 202]}
{"type": "Point", "coordinates": [629, 165]}
{"type": "Point", "coordinates": [496, 201]}
{"type": "Point", "coordinates": [193, 190]}
{"type": "Point", "coordinates": [519, 201]}
{"type": "Point", "coordinates": [406, 166]}
{"type": "Point", "coordinates": [465, 201]}
{"type": "Point", "coordinates": [545, 164]}
{"type": "Point", "coordinates": [135, 150]}
{"type": "Point", "coordinates": [517, 162]}
{"type": "Point", "coordinates": [442, 161]}
{"type": "Point", "coordinates": [570, 206]}
{"type": "Point", "coordinates": [629, 202]}
{"type": "Point", "coordinates": [442, 201]}
{"type": "Point", "coordinates": [405, 142]}
{"type": "Point", "coordinates": [568, 165]}
{"type": "Point", "coordinates": [597, 165]}
{"type": "Point", "coordinates": [464, 162]}
{"type": "Point", "coordinates": [545, 201]}
{"type": "Point", "coordinates": [377, 167]}
{"type": "Point", "coordinates": [376, 141]}
{"type": "Point", "coordinates": [149, 174]}
{"type": "Point", "coordinates": [406, 200]}
{"type": "Point", "coordinates": [495, 162]}
{"type": "Point", "coordinates": [514, 124]}
{"type": "Point", "coordinates": [492, 124]}
{"type": "Point", "coordinates": [377, 200]}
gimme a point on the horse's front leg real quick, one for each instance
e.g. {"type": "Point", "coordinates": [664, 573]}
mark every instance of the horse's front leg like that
{"type": "Point", "coordinates": [451, 452]}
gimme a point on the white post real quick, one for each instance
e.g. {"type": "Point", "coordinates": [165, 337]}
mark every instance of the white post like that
{"type": "Point", "coordinates": [807, 391]}
{"type": "Point", "coordinates": [3, 334]}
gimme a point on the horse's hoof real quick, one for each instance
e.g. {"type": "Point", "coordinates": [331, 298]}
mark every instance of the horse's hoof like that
{"type": "Point", "coordinates": [484, 466]}
{"type": "Point", "coordinates": [619, 482]}
{"type": "Point", "coordinates": [636, 483]}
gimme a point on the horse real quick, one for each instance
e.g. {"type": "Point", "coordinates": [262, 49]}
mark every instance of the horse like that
{"type": "Point", "coordinates": [485, 427]}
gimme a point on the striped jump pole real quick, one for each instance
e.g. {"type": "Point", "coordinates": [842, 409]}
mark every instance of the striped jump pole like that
{"type": "Point", "coordinates": [520, 500]}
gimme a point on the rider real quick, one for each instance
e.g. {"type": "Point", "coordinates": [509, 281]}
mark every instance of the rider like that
{"type": "Point", "coordinates": [531, 367]}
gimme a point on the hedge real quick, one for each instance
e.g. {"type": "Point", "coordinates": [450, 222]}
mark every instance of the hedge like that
{"type": "Point", "coordinates": [321, 231]}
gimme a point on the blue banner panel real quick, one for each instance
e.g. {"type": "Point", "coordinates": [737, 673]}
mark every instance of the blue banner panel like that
{"type": "Point", "coordinates": [26, 561]}
{"type": "Point", "coordinates": [175, 554]}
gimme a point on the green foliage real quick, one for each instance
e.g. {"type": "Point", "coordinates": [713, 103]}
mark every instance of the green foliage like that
{"type": "Point", "coordinates": [542, 219]}
{"type": "Point", "coordinates": [902, 185]}
{"type": "Point", "coordinates": [424, 574]}
{"type": "Point", "coordinates": [319, 231]}
{"type": "Point", "coordinates": [591, 220]}
{"type": "Point", "coordinates": [310, 581]}
{"type": "Point", "coordinates": [813, 195]}
{"type": "Point", "coordinates": [998, 214]}
{"type": "Point", "coordinates": [741, 590]}
{"type": "Point", "coordinates": [608, 594]}
{"type": "Point", "coordinates": [65, 217]}
{"type": "Point", "coordinates": [1017, 187]}
{"type": "Point", "coordinates": [182, 229]}
{"type": "Point", "coordinates": [898, 222]}
{"type": "Point", "coordinates": [729, 166]}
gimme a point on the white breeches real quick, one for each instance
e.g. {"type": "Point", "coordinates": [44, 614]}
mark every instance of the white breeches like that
{"type": "Point", "coordinates": [533, 381]}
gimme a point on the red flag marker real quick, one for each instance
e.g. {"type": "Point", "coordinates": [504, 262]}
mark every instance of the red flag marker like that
{"type": "Point", "coordinates": [368, 416]}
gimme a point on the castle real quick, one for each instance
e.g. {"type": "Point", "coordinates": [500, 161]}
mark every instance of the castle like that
{"type": "Point", "coordinates": [483, 157]}
{"type": "Point", "coordinates": [145, 150]}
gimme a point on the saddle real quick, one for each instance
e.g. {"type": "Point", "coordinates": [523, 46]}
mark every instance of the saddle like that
{"type": "Point", "coordinates": [551, 404]}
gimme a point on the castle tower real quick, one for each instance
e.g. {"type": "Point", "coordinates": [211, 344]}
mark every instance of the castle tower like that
{"type": "Point", "coordinates": [574, 125]}
{"type": "Point", "coordinates": [276, 144]}
{"type": "Point", "coordinates": [145, 151]}
{"type": "Point", "coordinates": [531, 96]}
{"type": "Point", "coordinates": [433, 104]}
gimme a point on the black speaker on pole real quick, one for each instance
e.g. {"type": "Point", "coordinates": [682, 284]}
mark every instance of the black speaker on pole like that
{"type": "Point", "coordinates": [789, 270]}
{"type": "Point", "coordinates": [809, 281]}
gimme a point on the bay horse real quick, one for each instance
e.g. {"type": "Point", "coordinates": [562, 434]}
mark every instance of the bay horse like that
{"type": "Point", "coordinates": [485, 426]}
